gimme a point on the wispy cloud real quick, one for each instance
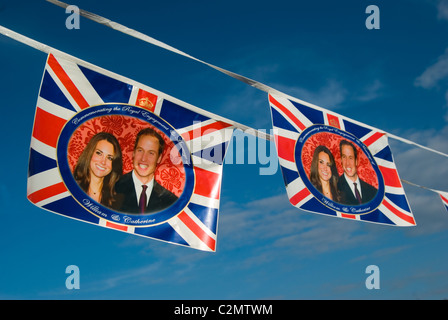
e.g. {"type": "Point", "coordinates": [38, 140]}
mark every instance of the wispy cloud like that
{"type": "Point", "coordinates": [442, 10]}
{"type": "Point", "coordinates": [287, 230]}
{"type": "Point", "coordinates": [418, 165]}
{"type": "Point", "coordinates": [370, 92]}
{"type": "Point", "coordinates": [425, 285]}
{"type": "Point", "coordinates": [335, 94]}
{"type": "Point", "coordinates": [331, 95]}
{"type": "Point", "coordinates": [141, 275]}
{"type": "Point", "coordinates": [435, 73]}
{"type": "Point", "coordinates": [426, 169]}
{"type": "Point", "coordinates": [307, 75]}
{"type": "Point", "coordinates": [382, 253]}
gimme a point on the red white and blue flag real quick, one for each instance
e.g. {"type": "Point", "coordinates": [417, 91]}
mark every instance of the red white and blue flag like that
{"type": "Point", "coordinates": [77, 101]}
{"type": "Point", "coordinates": [444, 197]}
{"type": "Point", "coordinates": [303, 131]}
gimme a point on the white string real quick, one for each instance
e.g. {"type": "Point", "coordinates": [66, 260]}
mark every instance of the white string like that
{"type": "Point", "coordinates": [47, 49]}
{"type": "Point", "coordinates": [160, 44]}
{"type": "Point", "coordinates": [253, 83]}
{"type": "Point", "coordinates": [423, 187]}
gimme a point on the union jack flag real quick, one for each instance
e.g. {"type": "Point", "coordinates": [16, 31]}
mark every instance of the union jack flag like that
{"type": "Point", "coordinates": [72, 94]}
{"type": "Point", "coordinates": [300, 127]}
{"type": "Point", "coordinates": [444, 197]}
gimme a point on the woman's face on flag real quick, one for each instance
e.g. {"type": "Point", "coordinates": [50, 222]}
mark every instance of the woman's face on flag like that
{"type": "Point", "coordinates": [101, 161]}
{"type": "Point", "coordinates": [324, 166]}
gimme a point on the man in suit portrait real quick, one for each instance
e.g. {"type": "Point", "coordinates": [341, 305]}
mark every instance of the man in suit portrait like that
{"type": "Point", "coordinates": [353, 190]}
{"type": "Point", "coordinates": [138, 191]}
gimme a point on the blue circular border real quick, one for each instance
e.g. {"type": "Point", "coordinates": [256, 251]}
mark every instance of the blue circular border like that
{"type": "Point", "coordinates": [97, 209]}
{"type": "Point", "coordinates": [357, 210]}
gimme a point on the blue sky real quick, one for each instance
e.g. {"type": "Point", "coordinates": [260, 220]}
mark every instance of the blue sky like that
{"type": "Point", "coordinates": [394, 78]}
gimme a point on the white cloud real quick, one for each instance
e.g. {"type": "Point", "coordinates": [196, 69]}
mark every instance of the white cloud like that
{"type": "Point", "coordinates": [435, 73]}
{"type": "Point", "coordinates": [426, 169]}
{"type": "Point", "coordinates": [446, 99]}
{"type": "Point", "coordinates": [331, 95]}
{"type": "Point", "coordinates": [371, 92]}
{"type": "Point", "coordinates": [129, 278]}
{"type": "Point", "coordinates": [285, 230]}
{"type": "Point", "coordinates": [442, 10]}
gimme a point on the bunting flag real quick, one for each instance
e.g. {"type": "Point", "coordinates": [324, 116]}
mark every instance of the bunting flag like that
{"type": "Point", "coordinates": [444, 197]}
{"type": "Point", "coordinates": [81, 106]}
{"type": "Point", "coordinates": [322, 153]}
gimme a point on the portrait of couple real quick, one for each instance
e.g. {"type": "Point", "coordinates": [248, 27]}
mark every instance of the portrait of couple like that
{"type": "Point", "coordinates": [346, 188]}
{"type": "Point", "coordinates": [99, 173]}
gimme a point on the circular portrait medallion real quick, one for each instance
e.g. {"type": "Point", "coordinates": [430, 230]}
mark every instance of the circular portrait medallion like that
{"type": "Point", "coordinates": [125, 164]}
{"type": "Point", "coordinates": [339, 170]}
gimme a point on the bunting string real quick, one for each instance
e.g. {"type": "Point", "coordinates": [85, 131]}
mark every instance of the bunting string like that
{"type": "Point", "coordinates": [119, 27]}
{"type": "Point", "coordinates": [136, 34]}
{"type": "Point", "coordinates": [263, 87]}
{"type": "Point", "coordinates": [116, 26]}
{"type": "Point", "coordinates": [48, 49]}
{"type": "Point", "coordinates": [421, 187]}
{"type": "Point", "coordinates": [442, 194]}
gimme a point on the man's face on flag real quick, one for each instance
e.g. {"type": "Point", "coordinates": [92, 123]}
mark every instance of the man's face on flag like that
{"type": "Point", "coordinates": [349, 162]}
{"type": "Point", "coordinates": [146, 158]}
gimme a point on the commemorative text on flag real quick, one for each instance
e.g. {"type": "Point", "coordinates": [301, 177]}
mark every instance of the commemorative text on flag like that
{"type": "Point", "coordinates": [335, 166]}
{"type": "Point", "coordinates": [124, 156]}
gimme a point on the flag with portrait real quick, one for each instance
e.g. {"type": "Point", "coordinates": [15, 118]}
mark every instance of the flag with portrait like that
{"type": "Point", "coordinates": [336, 166]}
{"type": "Point", "coordinates": [84, 144]}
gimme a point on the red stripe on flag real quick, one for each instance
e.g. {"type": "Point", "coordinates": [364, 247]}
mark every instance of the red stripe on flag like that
{"type": "Point", "coordinates": [47, 192]}
{"type": "Point", "coordinates": [373, 138]}
{"type": "Point", "coordinates": [198, 132]}
{"type": "Point", "coordinates": [67, 82]}
{"type": "Point", "coordinates": [197, 230]}
{"type": "Point", "coordinates": [286, 147]}
{"type": "Point", "coordinates": [390, 176]}
{"type": "Point", "coordinates": [288, 113]}
{"type": "Point", "coordinates": [116, 226]}
{"type": "Point", "coordinates": [207, 183]}
{"type": "Point", "coordinates": [47, 127]}
{"type": "Point", "coordinates": [398, 213]}
{"type": "Point", "coordinates": [348, 216]}
{"type": "Point", "coordinates": [444, 199]}
{"type": "Point", "coordinates": [333, 121]}
{"type": "Point", "coordinates": [299, 196]}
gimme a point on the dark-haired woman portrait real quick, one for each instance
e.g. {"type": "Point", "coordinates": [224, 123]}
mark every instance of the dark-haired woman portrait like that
{"type": "Point", "coordinates": [324, 174]}
{"type": "Point", "coordinates": [99, 167]}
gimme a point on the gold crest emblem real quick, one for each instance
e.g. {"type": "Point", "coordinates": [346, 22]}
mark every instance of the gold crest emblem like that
{"type": "Point", "coordinates": [145, 103]}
